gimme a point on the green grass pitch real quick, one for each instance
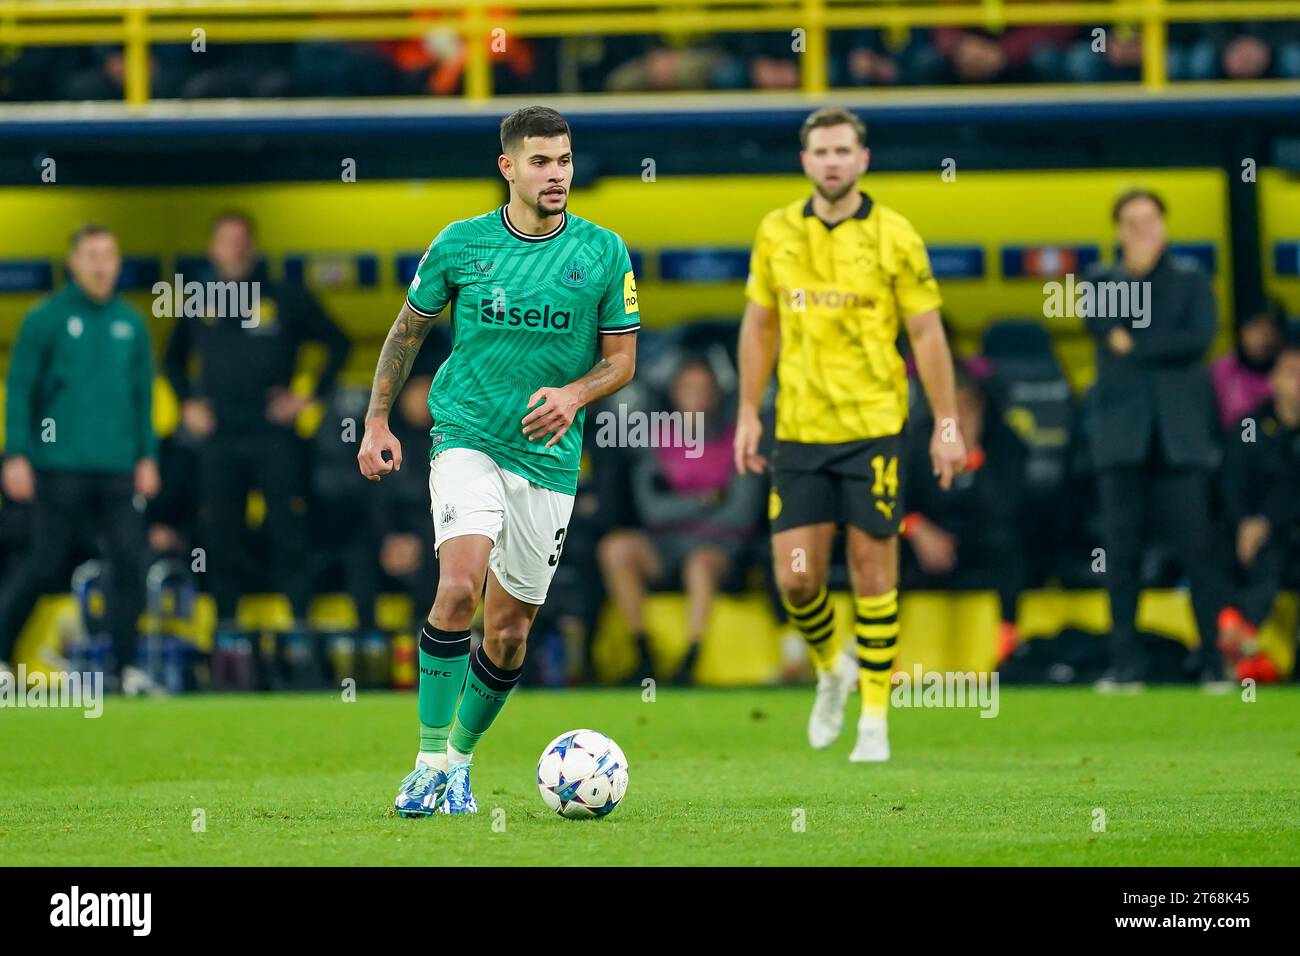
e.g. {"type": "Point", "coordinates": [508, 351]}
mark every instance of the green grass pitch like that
{"type": "Point", "coordinates": [717, 777]}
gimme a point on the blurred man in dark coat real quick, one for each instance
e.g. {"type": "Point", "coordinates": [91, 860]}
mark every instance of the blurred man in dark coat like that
{"type": "Point", "coordinates": [233, 377]}
{"type": "Point", "coordinates": [1153, 432]}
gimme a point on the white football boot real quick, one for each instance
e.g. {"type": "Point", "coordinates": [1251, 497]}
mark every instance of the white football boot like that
{"type": "Point", "coordinates": [873, 740]}
{"type": "Point", "coordinates": [833, 688]}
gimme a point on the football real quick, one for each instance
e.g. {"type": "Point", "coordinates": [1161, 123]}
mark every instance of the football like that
{"type": "Point", "coordinates": [582, 774]}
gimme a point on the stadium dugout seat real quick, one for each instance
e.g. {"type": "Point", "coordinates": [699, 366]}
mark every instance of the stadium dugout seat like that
{"type": "Point", "coordinates": [1034, 395]}
{"type": "Point", "coordinates": [1030, 390]}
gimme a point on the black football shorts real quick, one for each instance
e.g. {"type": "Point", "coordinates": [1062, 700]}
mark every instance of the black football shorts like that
{"type": "Point", "coordinates": [854, 483]}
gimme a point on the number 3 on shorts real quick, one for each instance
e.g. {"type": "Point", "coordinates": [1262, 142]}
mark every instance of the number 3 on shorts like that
{"type": "Point", "coordinates": [559, 546]}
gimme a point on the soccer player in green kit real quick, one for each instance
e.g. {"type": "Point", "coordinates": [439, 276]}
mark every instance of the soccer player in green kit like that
{"type": "Point", "coordinates": [544, 317]}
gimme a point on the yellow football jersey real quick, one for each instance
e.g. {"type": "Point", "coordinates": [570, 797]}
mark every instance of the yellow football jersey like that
{"type": "Point", "coordinates": [840, 294]}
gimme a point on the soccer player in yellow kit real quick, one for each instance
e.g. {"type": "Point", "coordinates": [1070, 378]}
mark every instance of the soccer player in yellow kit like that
{"type": "Point", "coordinates": [830, 279]}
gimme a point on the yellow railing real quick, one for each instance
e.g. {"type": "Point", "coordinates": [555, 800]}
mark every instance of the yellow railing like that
{"type": "Point", "coordinates": [137, 23]}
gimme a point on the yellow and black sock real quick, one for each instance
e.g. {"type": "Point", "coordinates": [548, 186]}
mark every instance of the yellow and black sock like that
{"type": "Point", "coordinates": [816, 622]}
{"type": "Point", "coordinates": [876, 628]}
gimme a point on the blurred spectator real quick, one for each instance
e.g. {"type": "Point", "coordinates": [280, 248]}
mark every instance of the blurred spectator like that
{"type": "Point", "coordinates": [25, 72]}
{"type": "Point", "coordinates": [669, 63]}
{"type": "Point", "coordinates": [1261, 479]}
{"type": "Point", "coordinates": [102, 75]}
{"type": "Point", "coordinates": [1249, 50]}
{"type": "Point", "coordinates": [1152, 429]}
{"type": "Point", "coordinates": [760, 61]}
{"type": "Point", "coordinates": [350, 69]}
{"type": "Point", "coordinates": [968, 538]}
{"type": "Point", "coordinates": [239, 70]}
{"type": "Point", "coordinates": [767, 61]}
{"type": "Point", "coordinates": [881, 58]}
{"type": "Point", "coordinates": [1014, 55]}
{"type": "Point", "coordinates": [431, 63]}
{"type": "Point", "coordinates": [79, 427]}
{"type": "Point", "coordinates": [240, 409]}
{"type": "Point", "coordinates": [1195, 51]}
{"type": "Point", "coordinates": [1114, 55]}
{"type": "Point", "coordinates": [697, 515]}
{"type": "Point", "coordinates": [176, 70]}
{"type": "Point", "coordinates": [434, 62]}
{"type": "Point", "coordinates": [1241, 378]}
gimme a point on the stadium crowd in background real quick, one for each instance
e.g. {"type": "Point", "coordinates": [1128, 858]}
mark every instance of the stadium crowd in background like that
{"type": "Point", "coordinates": [434, 63]}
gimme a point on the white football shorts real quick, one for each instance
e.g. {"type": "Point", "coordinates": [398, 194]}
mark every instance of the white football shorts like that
{"type": "Point", "coordinates": [470, 493]}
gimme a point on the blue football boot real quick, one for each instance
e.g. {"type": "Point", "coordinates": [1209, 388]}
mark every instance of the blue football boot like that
{"type": "Point", "coordinates": [423, 790]}
{"type": "Point", "coordinates": [459, 798]}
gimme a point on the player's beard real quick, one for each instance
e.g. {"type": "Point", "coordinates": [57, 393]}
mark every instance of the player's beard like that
{"type": "Point", "coordinates": [837, 195]}
{"type": "Point", "coordinates": [545, 211]}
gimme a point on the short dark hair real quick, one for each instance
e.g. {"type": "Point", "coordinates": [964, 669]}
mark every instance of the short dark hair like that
{"type": "Point", "coordinates": [1132, 195]}
{"type": "Point", "coordinates": [233, 215]}
{"type": "Point", "coordinates": [532, 121]}
{"type": "Point", "coordinates": [85, 231]}
{"type": "Point", "coordinates": [832, 116]}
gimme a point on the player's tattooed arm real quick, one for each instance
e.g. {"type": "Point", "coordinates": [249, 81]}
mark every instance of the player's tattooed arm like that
{"type": "Point", "coordinates": [604, 378]}
{"type": "Point", "coordinates": [613, 370]}
{"type": "Point", "coordinates": [395, 359]}
{"type": "Point", "coordinates": [555, 414]}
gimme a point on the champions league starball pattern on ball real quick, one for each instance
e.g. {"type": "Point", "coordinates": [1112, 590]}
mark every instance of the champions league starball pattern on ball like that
{"type": "Point", "coordinates": [582, 774]}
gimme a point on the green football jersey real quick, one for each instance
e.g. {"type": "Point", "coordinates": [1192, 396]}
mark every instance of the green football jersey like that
{"type": "Point", "coordinates": [526, 312]}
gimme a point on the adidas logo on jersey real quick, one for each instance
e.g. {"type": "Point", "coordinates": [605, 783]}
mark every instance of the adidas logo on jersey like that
{"type": "Point", "coordinates": [545, 320]}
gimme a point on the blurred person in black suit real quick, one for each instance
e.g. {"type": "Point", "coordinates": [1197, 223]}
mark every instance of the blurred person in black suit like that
{"type": "Point", "coordinates": [233, 378]}
{"type": "Point", "coordinates": [1153, 426]}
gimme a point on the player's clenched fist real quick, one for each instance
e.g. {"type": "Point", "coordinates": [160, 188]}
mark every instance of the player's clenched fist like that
{"type": "Point", "coordinates": [377, 440]}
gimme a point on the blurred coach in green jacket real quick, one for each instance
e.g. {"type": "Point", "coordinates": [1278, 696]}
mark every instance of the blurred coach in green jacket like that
{"type": "Point", "coordinates": [80, 442]}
